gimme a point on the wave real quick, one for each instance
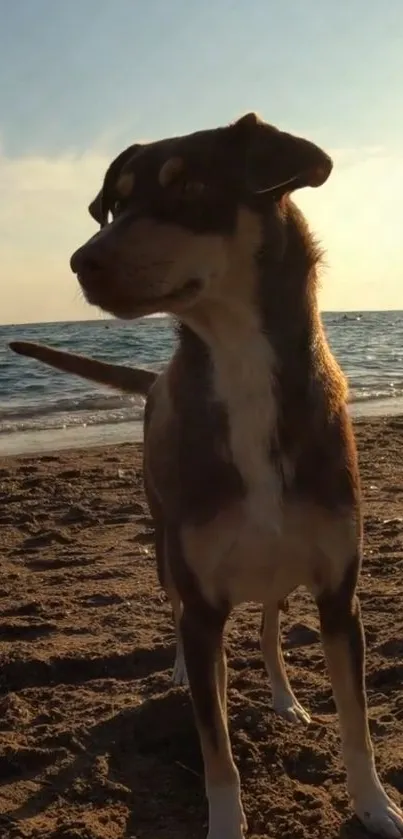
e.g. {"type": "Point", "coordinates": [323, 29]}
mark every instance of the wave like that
{"type": "Point", "coordinates": [63, 421]}
{"type": "Point", "coordinates": [68, 412]}
{"type": "Point", "coordinates": [67, 405]}
{"type": "Point", "coordinates": [375, 395]}
{"type": "Point", "coordinates": [96, 410]}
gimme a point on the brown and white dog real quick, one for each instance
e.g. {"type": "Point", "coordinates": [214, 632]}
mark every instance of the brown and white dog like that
{"type": "Point", "coordinates": [250, 464]}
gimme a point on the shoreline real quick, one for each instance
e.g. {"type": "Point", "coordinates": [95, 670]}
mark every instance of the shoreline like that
{"type": "Point", "coordinates": [111, 434]}
{"type": "Point", "coordinates": [64, 439]}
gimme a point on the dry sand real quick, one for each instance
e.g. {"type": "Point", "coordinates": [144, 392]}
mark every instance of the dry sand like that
{"type": "Point", "coordinates": [95, 743]}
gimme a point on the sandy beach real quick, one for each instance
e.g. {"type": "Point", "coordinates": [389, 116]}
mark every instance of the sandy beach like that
{"type": "Point", "coordinates": [95, 743]}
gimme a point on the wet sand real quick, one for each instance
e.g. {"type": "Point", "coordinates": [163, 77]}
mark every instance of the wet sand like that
{"type": "Point", "coordinates": [95, 743]}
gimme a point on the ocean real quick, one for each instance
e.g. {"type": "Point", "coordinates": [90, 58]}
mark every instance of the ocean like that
{"type": "Point", "coordinates": [42, 409]}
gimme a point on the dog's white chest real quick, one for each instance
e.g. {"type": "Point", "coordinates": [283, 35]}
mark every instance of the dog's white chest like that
{"type": "Point", "coordinates": [244, 383]}
{"type": "Point", "coordinates": [252, 566]}
{"type": "Point", "coordinates": [239, 555]}
{"type": "Point", "coordinates": [247, 553]}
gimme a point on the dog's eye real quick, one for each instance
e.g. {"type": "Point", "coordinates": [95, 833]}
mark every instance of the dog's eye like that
{"type": "Point", "coordinates": [193, 189]}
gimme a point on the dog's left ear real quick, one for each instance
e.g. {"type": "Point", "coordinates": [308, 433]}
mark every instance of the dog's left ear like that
{"type": "Point", "coordinates": [95, 208]}
{"type": "Point", "coordinates": [112, 176]}
{"type": "Point", "coordinates": [278, 162]}
{"type": "Point", "coordinates": [100, 206]}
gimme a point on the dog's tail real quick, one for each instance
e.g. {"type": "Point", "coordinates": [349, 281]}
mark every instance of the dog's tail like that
{"type": "Point", "coordinates": [129, 379]}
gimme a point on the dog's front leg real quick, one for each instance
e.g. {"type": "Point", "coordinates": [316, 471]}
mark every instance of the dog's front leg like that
{"type": "Point", "coordinates": [343, 641]}
{"type": "Point", "coordinates": [207, 674]}
{"type": "Point", "coordinates": [284, 701]}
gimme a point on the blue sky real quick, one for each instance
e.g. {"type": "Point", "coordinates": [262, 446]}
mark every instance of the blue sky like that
{"type": "Point", "coordinates": [81, 80]}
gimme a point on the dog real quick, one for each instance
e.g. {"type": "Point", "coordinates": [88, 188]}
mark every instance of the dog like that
{"type": "Point", "coordinates": [250, 464]}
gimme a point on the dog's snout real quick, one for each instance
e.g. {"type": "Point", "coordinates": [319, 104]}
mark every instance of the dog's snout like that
{"type": "Point", "coordinates": [92, 264]}
{"type": "Point", "coordinates": [86, 260]}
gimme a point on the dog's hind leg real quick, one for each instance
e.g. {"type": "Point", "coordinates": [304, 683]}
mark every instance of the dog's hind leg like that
{"type": "Point", "coordinates": [179, 674]}
{"type": "Point", "coordinates": [283, 699]}
{"type": "Point", "coordinates": [344, 646]}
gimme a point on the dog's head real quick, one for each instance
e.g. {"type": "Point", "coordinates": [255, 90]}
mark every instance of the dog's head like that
{"type": "Point", "coordinates": [178, 215]}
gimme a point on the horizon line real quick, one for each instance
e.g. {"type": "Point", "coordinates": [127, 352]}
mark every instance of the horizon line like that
{"type": "Point", "coordinates": [108, 319]}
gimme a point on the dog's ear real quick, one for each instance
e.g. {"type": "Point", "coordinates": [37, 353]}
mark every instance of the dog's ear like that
{"type": "Point", "coordinates": [111, 178]}
{"type": "Point", "coordinates": [95, 208]}
{"type": "Point", "coordinates": [101, 204]}
{"type": "Point", "coordinates": [275, 161]}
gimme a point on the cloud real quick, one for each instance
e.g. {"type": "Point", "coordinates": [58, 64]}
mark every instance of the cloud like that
{"type": "Point", "coordinates": [43, 218]}
{"type": "Point", "coordinates": [357, 215]}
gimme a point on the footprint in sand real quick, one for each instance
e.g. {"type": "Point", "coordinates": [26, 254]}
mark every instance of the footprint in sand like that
{"type": "Point", "coordinates": [20, 631]}
{"type": "Point", "coordinates": [48, 537]}
{"type": "Point", "coordinates": [78, 514]}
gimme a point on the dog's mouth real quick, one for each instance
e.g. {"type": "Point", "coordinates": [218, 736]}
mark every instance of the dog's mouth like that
{"type": "Point", "coordinates": [125, 306]}
{"type": "Point", "coordinates": [190, 288]}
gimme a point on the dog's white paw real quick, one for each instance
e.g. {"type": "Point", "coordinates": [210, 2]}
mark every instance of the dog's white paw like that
{"type": "Point", "coordinates": [288, 707]}
{"type": "Point", "coordinates": [179, 674]}
{"type": "Point", "coordinates": [226, 814]}
{"type": "Point", "coordinates": [381, 815]}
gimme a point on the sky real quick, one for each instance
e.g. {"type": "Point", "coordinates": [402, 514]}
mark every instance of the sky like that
{"type": "Point", "coordinates": [81, 80]}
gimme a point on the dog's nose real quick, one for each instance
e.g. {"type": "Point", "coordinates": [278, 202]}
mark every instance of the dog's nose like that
{"type": "Point", "coordinates": [84, 260]}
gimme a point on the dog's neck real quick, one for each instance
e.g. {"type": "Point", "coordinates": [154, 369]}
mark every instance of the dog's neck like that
{"type": "Point", "coordinates": [287, 285]}
{"type": "Point", "coordinates": [242, 380]}
{"type": "Point", "coordinates": [250, 352]}
{"type": "Point", "coordinates": [280, 314]}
